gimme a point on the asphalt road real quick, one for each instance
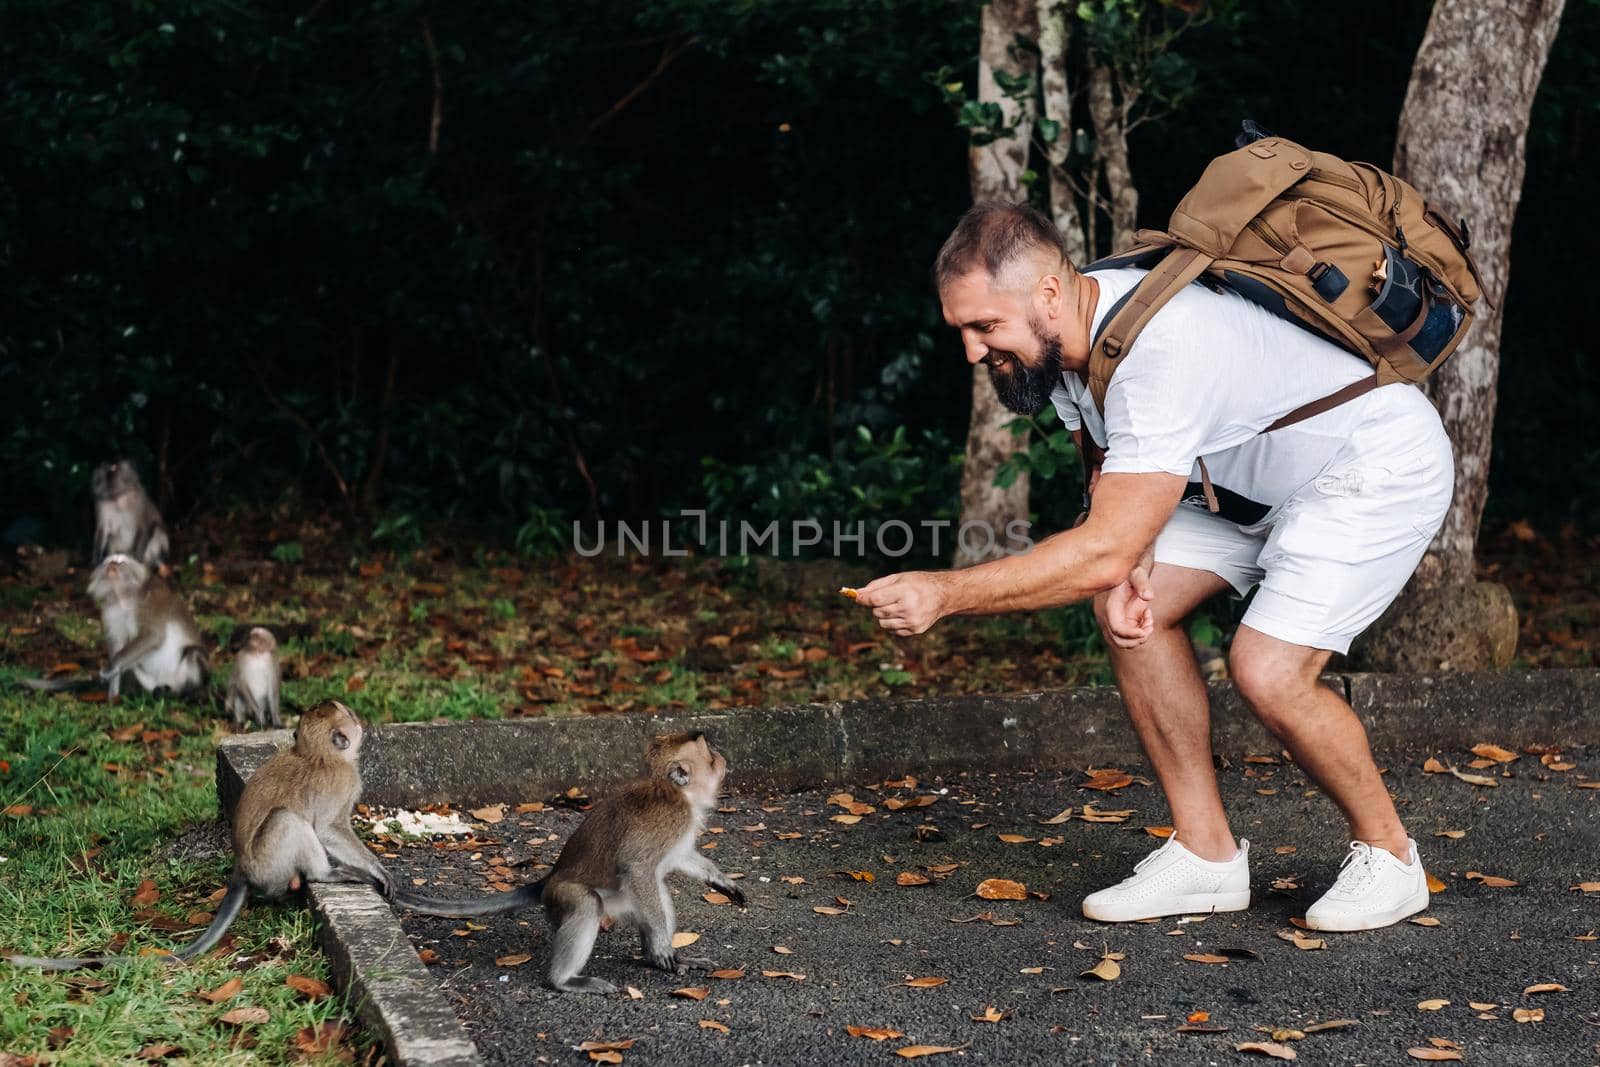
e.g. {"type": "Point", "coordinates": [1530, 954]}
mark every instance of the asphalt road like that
{"type": "Point", "coordinates": [1538, 828]}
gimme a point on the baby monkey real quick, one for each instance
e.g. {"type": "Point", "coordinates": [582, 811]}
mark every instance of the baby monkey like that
{"type": "Point", "coordinates": [612, 870]}
{"type": "Point", "coordinates": [125, 519]}
{"type": "Point", "coordinates": [291, 826]}
{"type": "Point", "coordinates": [253, 690]}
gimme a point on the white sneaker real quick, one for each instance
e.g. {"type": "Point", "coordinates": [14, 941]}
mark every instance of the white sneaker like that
{"type": "Point", "coordinates": [1174, 881]}
{"type": "Point", "coordinates": [1373, 889]}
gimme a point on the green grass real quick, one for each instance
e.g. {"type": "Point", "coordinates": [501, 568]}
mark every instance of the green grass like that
{"type": "Point", "coordinates": [73, 790]}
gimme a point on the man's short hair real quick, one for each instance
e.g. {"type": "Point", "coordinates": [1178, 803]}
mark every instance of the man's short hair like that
{"type": "Point", "coordinates": [993, 236]}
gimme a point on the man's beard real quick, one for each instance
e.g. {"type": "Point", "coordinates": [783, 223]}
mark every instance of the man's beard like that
{"type": "Point", "coordinates": [1022, 388]}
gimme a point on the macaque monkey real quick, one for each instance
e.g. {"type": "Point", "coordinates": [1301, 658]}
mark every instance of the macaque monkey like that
{"type": "Point", "coordinates": [125, 520]}
{"type": "Point", "coordinates": [291, 826]}
{"type": "Point", "coordinates": [148, 630]}
{"type": "Point", "coordinates": [253, 689]}
{"type": "Point", "coordinates": [612, 869]}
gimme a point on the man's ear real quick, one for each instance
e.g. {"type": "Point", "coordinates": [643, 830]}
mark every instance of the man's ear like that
{"type": "Point", "coordinates": [1051, 294]}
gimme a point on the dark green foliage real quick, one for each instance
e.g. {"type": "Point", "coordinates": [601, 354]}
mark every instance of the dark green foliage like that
{"type": "Point", "coordinates": [650, 232]}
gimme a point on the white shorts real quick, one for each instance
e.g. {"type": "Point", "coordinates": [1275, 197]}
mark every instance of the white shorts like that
{"type": "Point", "coordinates": [1335, 555]}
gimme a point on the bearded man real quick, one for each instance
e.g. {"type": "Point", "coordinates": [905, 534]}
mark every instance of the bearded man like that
{"type": "Point", "coordinates": [1328, 516]}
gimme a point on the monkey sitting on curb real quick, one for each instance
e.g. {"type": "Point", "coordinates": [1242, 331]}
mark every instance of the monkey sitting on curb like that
{"type": "Point", "coordinates": [291, 826]}
{"type": "Point", "coordinates": [612, 869]}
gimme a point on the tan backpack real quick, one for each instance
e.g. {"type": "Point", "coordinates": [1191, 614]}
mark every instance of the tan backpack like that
{"type": "Point", "coordinates": [1345, 250]}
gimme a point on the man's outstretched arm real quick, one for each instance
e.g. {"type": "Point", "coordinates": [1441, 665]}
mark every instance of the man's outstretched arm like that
{"type": "Point", "coordinates": [1129, 510]}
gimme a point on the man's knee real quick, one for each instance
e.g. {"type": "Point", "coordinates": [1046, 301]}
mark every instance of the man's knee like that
{"type": "Point", "coordinates": [1274, 686]}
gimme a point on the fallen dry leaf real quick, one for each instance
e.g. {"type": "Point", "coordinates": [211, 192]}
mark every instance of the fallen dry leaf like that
{"type": "Point", "coordinates": [240, 1016]}
{"type": "Point", "coordinates": [1437, 1055]}
{"type": "Point", "coordinates": [606, 1046]}
{"type": "Point", "coordinates": [1476, 779]}
{"type": "Point", "coordinates": [1093, 814]}
{"type": "Point", "coordinates": [713, 897]}
{"type": "Point", "coordinates": [683, 939]}
{"type": "Point", "coordinates": [491, 814]}
{"type": "Point", "coordinates": [1309, 944]}
{"type": "Point", "coordinates": [916, 1052]}
{"type": "Point", "coordinates": [226, 991]}
{"type": "Point", "coordinates": [911, 878]}
{"type": "Point", "coordinates": [783, 950]}
{"type": "Point", "coordinates": [847, 820]}
{"type": "Point", "coordinates": [1108, 780]}
{"type": "Point", "coordinates": [1433, 766]}
{"type": "Point", "coordinates": [605, 1057]}
{"type": "Point", "coordinates": [1057, 820]}
{"type": "Point", "coordinates": [991, 1014]}
{"type": "Point", "coordinates": [1495, 753]}
{"type": "Point", "coordinates": [1476, 1006]}
{"type": "Point", "coordinates": [783, 974]}
{"type": "Point", "coordinates": [514, 960]}
{"type": "Point", "coordinates": [1158, 831]}
{"type": "Point", "coordinates": [1585, 887]}
{"type": "Point", "coordinates": [712, 1024]}
{"type": "Point", "coordinates": [823, 909]}
{"type": "Point", "coordinates": [873, 1033]}
{"type": "Point", "coordinates": [427, 955]}
{"type": "Point", "coordinates": [1528, 1015]}
{"type": "Point", "coordinates": [1545, 987]}
{"type": "Point", "coordinates": [1454, 835]}
{"type": "Point", "coordinates": [320, 1039]}
{"type": "Point", "coordinates": [306, 986]}
{"type": "Point", "coordinates": [1431, 1005]}
{"type": "Point", "coordinates": [1494, 881]}
{"type": "Point", "coordinates": [1107, 970]}
{"type": "Point", "coordinates": [728, 974]}
{"type": "Point", "coordinates": [1001, 889]}
{"type": "Point", "coordinates": [1425, 920]}
{"type": "Point", "coordinates": [156, 1052]}
{"type": "Point", "coordinates": [1205, 957]}
{"type": "Point", "coordinates": [1267, 1048]}
{"type": "Point", "coordinates": [146, 895]}
{"type": "Point", "coordinates": [928, 982]}
{"type": "Point", "coordinates": [1331, 1024]}
{"type": "Point", "coordinates": [1014, 839]}
{"type": "Point", "coordinates": [1436, 885]}
{"type": "Point", "coordinates": [692, 992]}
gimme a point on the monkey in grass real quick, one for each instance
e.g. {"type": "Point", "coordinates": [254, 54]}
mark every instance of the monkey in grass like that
{"type": "Point", "coordinates": [125, 519]}
{"type": "Point", "coordinates": [148, 631]}
{"type": "Point", "coordinates": [253, 690]}
{"type": "Point", "coordinates": [291, 826]}
{"type": "Point", "coordinates": [612, 869]}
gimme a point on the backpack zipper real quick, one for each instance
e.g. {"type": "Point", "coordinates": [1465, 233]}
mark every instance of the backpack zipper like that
{"type": "Point", "coordinates": [1317, 174]}
{"type": "Point", "coordinates": [1269, 235]}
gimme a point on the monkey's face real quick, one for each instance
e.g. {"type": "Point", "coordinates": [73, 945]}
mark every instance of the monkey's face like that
{"type": "Point", "coordinates": [691, 763]}
{"type": "Point", "coordinates": [112, 479]}
{"type": "Point", "coordinates": [261, 640]}
{"type": "Point", "coordinates": [117, 576]}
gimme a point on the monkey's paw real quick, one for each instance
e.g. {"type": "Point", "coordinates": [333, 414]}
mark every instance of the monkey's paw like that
{"type": "Point", "coordinates": [732, 892]}
{"type": "Point", "coordinates": [699, 963]}
{"type": "Point", "coordinates": [666, 961]}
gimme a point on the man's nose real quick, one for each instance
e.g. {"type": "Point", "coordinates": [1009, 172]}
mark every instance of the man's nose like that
{"type": "Point", "coordinates": [976, 350]}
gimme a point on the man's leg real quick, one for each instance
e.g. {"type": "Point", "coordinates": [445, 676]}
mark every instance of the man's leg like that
{"type": "Point", "coordinates": [1167, 703]}
{"type": "Point", "coordinates": [1279, 681]}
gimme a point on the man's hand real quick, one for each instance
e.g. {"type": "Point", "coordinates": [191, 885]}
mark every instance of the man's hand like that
{"type": "Point", "coordinates": [905, 604]}
{"type": "Point", "coordinates": [1128, 613]}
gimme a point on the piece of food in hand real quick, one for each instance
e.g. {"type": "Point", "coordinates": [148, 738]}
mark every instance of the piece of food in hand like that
{"type": "Point", "coordinates": [845, 590]}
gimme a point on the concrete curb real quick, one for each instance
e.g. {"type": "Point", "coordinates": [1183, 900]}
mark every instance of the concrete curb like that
{"type": "Point", "coordinates": [410, 764]}
{"type": "Point", "coordinates": [468, 763]}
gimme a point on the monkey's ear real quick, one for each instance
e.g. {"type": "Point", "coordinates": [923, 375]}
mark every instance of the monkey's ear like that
{"type": "Point", "coordinates": [678, 774]}
{"type": "Point", "coordinates": [340, 741]}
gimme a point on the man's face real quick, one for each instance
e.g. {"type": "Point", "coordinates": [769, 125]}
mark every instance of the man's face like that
{"type": "Point", "coordinates": [999, 328]}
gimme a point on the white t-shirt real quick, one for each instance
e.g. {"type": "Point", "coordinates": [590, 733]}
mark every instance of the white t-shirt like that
{"type": "Point", "coordinates": [1205, 376]}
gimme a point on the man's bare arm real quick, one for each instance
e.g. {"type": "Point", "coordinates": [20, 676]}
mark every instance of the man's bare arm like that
{"type": "Point", "coordinates": [1129, 511]}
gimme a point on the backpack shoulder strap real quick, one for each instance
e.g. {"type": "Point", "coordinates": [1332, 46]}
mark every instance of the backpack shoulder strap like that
{"type": "Point", "coordinates": [1130, 315]}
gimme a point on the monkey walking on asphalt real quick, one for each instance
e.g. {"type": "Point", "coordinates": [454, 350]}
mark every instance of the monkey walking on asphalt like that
{"type": "Point", "coordinates": [125, 519]}
{"type": "Point", "coordinates": [291, 826]}
{"type": "Point", "coordinates": [612, 870]}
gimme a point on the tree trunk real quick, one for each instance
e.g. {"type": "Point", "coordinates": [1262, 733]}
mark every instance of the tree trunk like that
{"type": "Point", "coordinates": [996, 174]}
{"type": "Point", "coordinates": [1461, 141]}
{"type": "Point", "coordinates": [1110, 120]}
{"type": "Point", "coordinates": [1054, 40]}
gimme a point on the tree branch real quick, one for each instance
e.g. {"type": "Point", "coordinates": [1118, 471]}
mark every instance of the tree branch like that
{"type": "Point", "coordinates": [437, 118]}
{"type": "Point", "coordinates": [672, 52]}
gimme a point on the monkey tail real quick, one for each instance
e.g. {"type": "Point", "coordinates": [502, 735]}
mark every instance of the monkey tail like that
{"type": "Point", "coordinates": [69, 683]}
{"type": "Point", "coordinates": [527, 896]}
{"type": "Point", "coordinates": [232, 903]}
{"type": "Point", "coordinates": [71, 963]}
